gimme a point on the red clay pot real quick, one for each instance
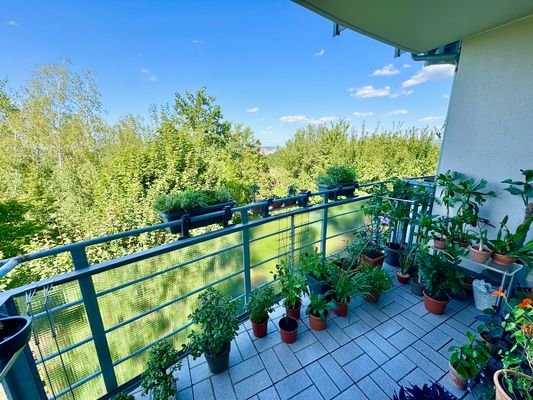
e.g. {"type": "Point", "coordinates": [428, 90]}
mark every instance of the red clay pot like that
{"type": "Point", "coordinates": [434, 306]}
{"type": "Point", "coordinates": [502, 259]}
{"type": "Point", "coordinates": [457, 379]}
{"type": "Point", "coordinates": [277, 205]}
{"type": "Point", "coordinates": [288, 328]}
{"type": "Point", "coordinates": [341, 309]}
{"type": "Point", "coordinates": [294, 312]}
{"type": "Point", "coordinates": [403, 279]}
{"type": "Point", "coordinates": [439, 243]}
{"type": "Point", "coordinates": [316, 323]}
{"type": "Point", "coordinates": [372, 297]}
{"type": "Point", "coordinates": [260, 330]}
{"type": "Point", "coordinates": [375, 262]}
{"type": "Point", "coordinates": [479, 256]}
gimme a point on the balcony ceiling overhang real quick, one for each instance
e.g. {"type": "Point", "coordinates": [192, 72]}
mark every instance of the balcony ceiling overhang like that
{"type": "Point", "coordinates": [418, 26]}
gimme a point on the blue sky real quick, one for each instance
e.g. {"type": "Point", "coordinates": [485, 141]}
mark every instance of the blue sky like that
{"type": "Point", "coordinates": [272, 65]}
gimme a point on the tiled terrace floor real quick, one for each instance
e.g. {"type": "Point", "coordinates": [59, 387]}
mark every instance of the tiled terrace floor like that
{"type": "Point", "coordinates": [363, 356]}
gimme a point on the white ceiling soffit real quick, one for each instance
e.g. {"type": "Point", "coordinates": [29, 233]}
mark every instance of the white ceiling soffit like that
{"type": "Point", "coordinates": [420, 25]}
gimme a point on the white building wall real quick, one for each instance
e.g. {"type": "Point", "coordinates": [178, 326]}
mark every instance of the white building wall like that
{"type": "Point", "coordinates": [489, 132]}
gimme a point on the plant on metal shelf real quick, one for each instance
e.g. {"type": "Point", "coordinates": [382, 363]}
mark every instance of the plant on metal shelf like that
{"type": "Point", "coordinates": [318, 311]}
{"type": "Point", "coordinates": [163, 361]}
{"type": "Point", "coordinates": [433, 391]}
{"type": "Point", "coordinates": [216, 316]}
{"type": "Point", "coordinates": [293, 286]}
{"type": "Point", "coordinates": [341, 178]}
{"type": "Point", "coordinates": [378, 281]}
{"type": "Point", "coordinates": [480, 253]}
{"type": "Point", "coordinates": [467, 361]}
{"type": "Point", "coordinates": [508, 247]}
{"type": "Point", "coordinates": [261, 303]}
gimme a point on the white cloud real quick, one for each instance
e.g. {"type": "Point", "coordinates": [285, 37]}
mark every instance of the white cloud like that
{"type": "Point", "coordinates": [320, 53]}
{"type": "Point", "coordinates": [446, 96]}
{"type": "Point", "coordinates": [144, 71]}
{"type": "Point", "coordinates": [404, 92]}
{"type": "Point", "coordinates": [269, 127]}
{"type": "Point", "coordinates": [387, 70]}
{"type": "Point", "coordinates": [400, 111]}
{"type": "Point", "coordinates": [363, 114]}
{"type": "Point", "coordinates": [433, 120]}
{"type": "Point", "coordinates": [428, 73]}
{"type": "Point", "coordinates": [293, 118]}
{"type": "Point", "coordinates": [407, 65]}
{"type": "Point", "coordinates": [369, 91]}
{"type": "Point", "coordinates": [253, 110]}
{"type": "Point", "coordinates": [12, 23]}
{"type": "Point", "coordinates": [305, 119]}
{"type": "Point", "coordinates": [198, 41]}
{"type": "Point", "coordinates": [153, 78]}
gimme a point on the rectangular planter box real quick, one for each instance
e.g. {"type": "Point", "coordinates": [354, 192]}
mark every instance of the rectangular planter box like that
{"type": "Point", "coordinates": [344, 189]}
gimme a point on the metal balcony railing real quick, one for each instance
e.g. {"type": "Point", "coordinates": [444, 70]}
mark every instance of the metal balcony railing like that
{"type": "Point", "coordinates": [92, 326]}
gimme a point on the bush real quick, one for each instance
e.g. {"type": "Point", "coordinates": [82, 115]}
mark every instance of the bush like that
{"type": "Point", "coordinates": [162, 362]}
{"type": "Point", "coordinates": [189, 200]}
{"type": "Point", "coordinates": [338, 174]}
{"type": "Point", "coordinates": [261, 303]}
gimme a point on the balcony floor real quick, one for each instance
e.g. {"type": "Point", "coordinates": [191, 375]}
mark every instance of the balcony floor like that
{"type": "Point", "coordinates": [365, 355]}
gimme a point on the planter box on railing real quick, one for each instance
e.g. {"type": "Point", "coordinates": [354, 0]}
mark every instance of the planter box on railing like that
{"type": "Point", "coordinates": [15, 333]}
{"type": "Point", "coordinates": [342, 189]}
{"type": "Point", "coordinates": [186, 217]}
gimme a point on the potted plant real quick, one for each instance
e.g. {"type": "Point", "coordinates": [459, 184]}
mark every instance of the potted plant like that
{"type": "Point", "coordinates": [317, 272]}
{"type": "Point", "coordinates": [318, 311]}
{"type": "Point", "coordinates": [292, 190]}
{"type": "Point", "coordinates": [346, 283]}
{"type": "Point", "coordinates": [508, 247]}
{"type": "Point", "coordinates": [275, 202]}
{"type": "Point", "coordinates": [288, 329]}
{"type": "Point", "coordinates": [261, 303]}
{"type": "Point", "coordinates": [515, 380]}
{"type": "Point", "coordinates": [173, 206]}
{"type": "Point", "coordinates": [407, 259]}
{"type": "Point", "coordinates": [216, 317]}
{"type": "Point", "coordinates": [123, 396]}
{"type": "Point", "coordinates": [480, 253]}
{"type": "Point", "coordinates": [378, 281]}
{"type": "Point", "coordinates": [433, 391]}
{"type": "Point", "coordinates": [15, 333]}
{"type": "Point", "coordinates": [524, 189]}
{"type": "Point", "coordinates": [158, 380]}
{"type": "Point", "coordinates": [259, 205]}
{"type": "Point", "coordinates": [341, 178]}
{"type": "Point", "coordinates": [439, 276]}
{"type": "Point", "coordinates": [467, 361]}
{"type": "Point", "coordinates": [293, 286]}
{"type": "Point", "coordinates": [365, 249]}
{"type": "Point", "coordinates": [491, 331]}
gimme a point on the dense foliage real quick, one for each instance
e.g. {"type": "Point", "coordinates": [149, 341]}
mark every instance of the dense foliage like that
{"type": "Point", "coordinates": [69, 175]}
{"type": "Point", "coordinates": [158, 379]}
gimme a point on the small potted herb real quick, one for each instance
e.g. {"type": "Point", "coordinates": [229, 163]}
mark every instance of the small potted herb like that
{"type": "Point", "coordinates": [509, 247]}
{"type": "Point", "coordinates": [261, 303]}
{"type": "Point", "coordinates": [378, 281]}
{"type": "Point", "coordinates": [173, 206]}
{"type": "Point", "coordinates": [293, 286]}
{"type": "Point", "coordinates": [340, 178]}
{"type": "Point", "coordinates": [480, 253]}
{"type": "Point", "coordinates": [467, 361]}
{"type": "Point", "coordinates": [158, 380]}
{"type": "Point", "coordinates": [318, 311]}
{"type": "Point", "coordinates": [217, 319]}
{"type": "Point", "coordinates": [407, 258]}
{"type": "Point", "coordinates": [288, 329]}
{"type": "Point", "coordinates": [317, 272]}
{"type": "Point", "coordinates": [346, 283]}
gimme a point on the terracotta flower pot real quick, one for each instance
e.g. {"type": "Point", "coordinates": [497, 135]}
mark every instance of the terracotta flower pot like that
{"type": "Point", "coordinates": [501, 391]}
{"type": "Point", "coordinates": [479, 256]}
{"type": "Point", "coordinates": [403, 279]}
{"type": "Point", "coordinates": [277, 205]}
{"type": "Point", "coordinates": [341, 309]}
{"type": "Point", "coordinates": [456, 379]}
{"type": "Point", "coordinates": [260, 329]}
{"type": "Point", "coordinates": [434, 306]}
{"type": "Point", "coordinates": [502, 259]}
{"type": "Point", "coordinates": [294, 312]}
{"type": "Point", "coordinates": [439, 243]}
{"type": "Point", "coordinates": [376, 262]}
{"type": "Point", "coordinates": [372, 297]}
{"type": "Point", "coordinates": [288, 328]}
{"type": "Point", "coordinates": [316, 323]}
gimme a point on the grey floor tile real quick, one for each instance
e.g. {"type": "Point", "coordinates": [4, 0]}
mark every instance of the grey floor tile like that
{"type": "Point", "coordinates": [424, 363]}
{"type": "Point", "coordinates": [287, 358]}
{"type": "Point", "coordinates": [416, 377]}
{"type": "Point", "coordinates": [360, 367]}
{"type": "Point", "coordinates": [388, 328]}
{"type": "Point", "coordinates": [371, 389]}
{"type": "Point", "coordinates": [372, 350]}
{"type": "Point", "coordinates": [252, 385]}
{"type": "Point", "coordinates": [222, 386]}
{"type": "Point", "coordinates": [305, 339]}
{"type": "Point", "coordinates": [267, 342]}
{"type": "Point", "coordinates": [382, 343]}
{"type": "Point", "coordinates": [273, 365]}
{"type": "Point", "coordinates": [402, 339]}
{"type": "Point", "coordinates": [352, 393]}
{"type": "Point", "coordinates": [357, 329]}
{"type": "Point", "coordinates": [398, 367]}
{"type": "Point", "coordinates": [203, 390]}
{"type": "Point", "coordinates": [385, 382]}
{"type": "Point", "coordinates": [335, 372]}
{"type": "Point", "coordinates": [245, 369]}
{"type": "Point", "coordinates": [293, 384]}
{"type": "Point", "coordinates": [268, 394]}
{"type": "Point", "coordinates": [325, 338]}
{"type": "Point", "coordinates": [322, 381]}
{"type": "Point", "coordinates": [310, 393]}
{"type": "Point", "coordinates": [310, 353]}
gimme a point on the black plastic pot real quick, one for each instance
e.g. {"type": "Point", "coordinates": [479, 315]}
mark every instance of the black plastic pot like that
{"type": "Point", "coordinates": [14, 335]}
{"type": "Point", "coordinates": [392, 251]}
{"type": "Point", "coordinates": [316, 286]}
{"type": "Point", "coordinates": [343, 189]}
{"type": "Point", "coordinates": [219, 362]}
{"type": "Point", "coordinates": [168, 217]}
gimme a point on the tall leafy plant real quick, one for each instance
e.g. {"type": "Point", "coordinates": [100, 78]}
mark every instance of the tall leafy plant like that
{"type": "Point", "coordinates": [511, 244]}
{"type": "Point", "coordinates": [293, 283]}
{"type": "Point", "coordinates": [163, 361]}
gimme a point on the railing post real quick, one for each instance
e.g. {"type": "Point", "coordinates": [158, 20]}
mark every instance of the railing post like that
{"type": "Point", "coordinates": [88, 293]}
{"type": "Point", "coordinates": [291, 240]}
{"type": "Point", "coordinates": [23, 381]}
{"type": "Point", "coordinates": [246, 256]}
{"type": "Point", "coordinates": [324, 229]}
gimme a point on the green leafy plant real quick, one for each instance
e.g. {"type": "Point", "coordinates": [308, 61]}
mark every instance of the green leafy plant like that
{"type": "Point", "coordinates": [524, 188]}
{"type": "Point", "coordinates": [312, 263]}
{"type": "Point", "coordinates": [261, 303]}
{"type": "Point", "coordinates": [510, 244]}
{"type": "Point", "coordinates": [348, 283]}
{"type": "Point", "coordinates": [407, 258]}
{"type": "Point", "coordinates": [338, 174]}
{"type": "Point", "coordinates": [189, 200]}
{"type": "Point", "coordinates": [217, 319]}
{"type": "Point", "coordinates": [293, 283]}
{"type": "Point", "coordinates": [319, 306]}
{"type": "Point", "coordinates": [253, 190]}
{"type": "Point", "coordinates": [123, 396]}
{"type": "Point", "coordinates": [439, 274]}
{"type": "Point", "coordinates": [292, 190]}
{"type": "Point", "coordinates": [469, 359]}
{"type": "Point", "coordinates": [377, 279]}
{"type": "Point", "coordinates": [470, 198]}
{"type": "Point", "coordinates": [163, 361]}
